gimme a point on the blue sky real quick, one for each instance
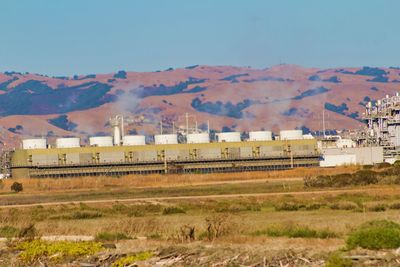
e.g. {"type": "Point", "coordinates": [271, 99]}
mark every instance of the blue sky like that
{"type": "Point", "coordinates": [66, 37]}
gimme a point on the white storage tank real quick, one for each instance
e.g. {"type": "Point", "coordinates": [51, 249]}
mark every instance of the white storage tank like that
{"type": "Point", "coordinates": [291, 135]}
{"type": "Point", "coordinates": [260, 136]}
{"type": "Point", "coordinates": [101, 141]}
{"type": "Point", "coordinates": [308, 136]}
{"type": "Point", "coordinates": [36, 143]}
{"type": "Point", "coordinates": [229, 137]}
{"type": "Point", "coordinates": [198, 138]}
{"type": "Point", "coordinates": [164, 139]}
{"type": "Point", "coordinates": [68, 142]}
{"type": "Point", "coordinates": [134, 140]}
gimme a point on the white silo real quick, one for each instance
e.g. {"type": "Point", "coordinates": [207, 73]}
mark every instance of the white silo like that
{"type": "Point", "coordinates": [308, 136]}
{"type": "Point", "coordinates": [101, 141]}
{"type": "Point", "coordinates": [134, 140]}
{"type": "Point", "coordinates": [34, 143]}
{"type": "Point", "coordinates": [229, 137]}
{"type": "Point", "coordinates": [198, 138]}
{"type": "Point", "coordinates": [117, 135]}
{"type": "Point", "coordinates": [260, 136]}
{"type": "Point", "coordinates": [291, 135]}
{"type": "Point", "coordinates": [68, 142]}
{"type": "Point", "coordinates": [164, 139]}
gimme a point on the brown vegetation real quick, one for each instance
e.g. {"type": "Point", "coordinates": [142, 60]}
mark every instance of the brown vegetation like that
{"type": "Point", "coordinates": [159, 180]}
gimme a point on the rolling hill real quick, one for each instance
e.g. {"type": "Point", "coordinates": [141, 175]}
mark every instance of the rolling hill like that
{"type": "Point", "coordinates": [231, 98]}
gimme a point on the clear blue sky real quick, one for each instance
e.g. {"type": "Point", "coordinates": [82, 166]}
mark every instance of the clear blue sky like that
{"type": "Point", "coordinates": [66, 37]}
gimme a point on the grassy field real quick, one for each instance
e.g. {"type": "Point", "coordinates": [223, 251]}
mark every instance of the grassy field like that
{"type": "Point", "coordinates": [293, 225]}
{"type": "Point", "coordinates": [158, 180]}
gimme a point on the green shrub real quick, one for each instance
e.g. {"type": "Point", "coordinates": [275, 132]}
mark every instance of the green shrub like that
{"type": "Point", "coordinates": [28, 232]}
{"type": "Point", "coordinates": [8, 231]}
{"type": "Point", "coordinates": [237, 207]}
{"type": "Point", "coordinates": [295, 231]}
{"type": "Point", "coordinates": [362, 177]}
{"type": "Point", "coordinates": [78, 215]}
{"type": "Point", "coordinates": [107, 236]}
{"type": "Point", "coordinates": [286, 206]}
{"type": "Point", "coordinates": [313, 206]}
{"type": "Point", "coordinates": [343, 205]}
{"type": "Point", "coordinates": [129, 260]}
{"type": "Point", "coordinates": [396, 163]}
{"type": "Point", "coordinates": [136, 210]}
{"type": "Point", "coordinates": [367, 167]}
{"type": "Point", "coordinates": [172, 210]}
{"type": "Point", "coordinates": [17, 187]}
{"type": "Point", "coordinates": [383, 165]}
{"type": "Point", "coordinates": [335, 259]}
{"type": "Point", "coordinates": [83, 215]}
{"type": "Point", "coordinates": [395, 206]}
{"type": "Point", "coordinates": [33, 250]}
{"type": "Point", "coordinates": [378, 234]}
{"type": "Point", "coordinates": [377, 207]}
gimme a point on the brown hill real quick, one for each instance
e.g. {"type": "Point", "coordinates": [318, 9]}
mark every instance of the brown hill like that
{"type": "Point", "coordinates": [236, 98]}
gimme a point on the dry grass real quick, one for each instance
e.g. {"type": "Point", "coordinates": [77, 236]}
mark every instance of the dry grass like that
{"type": "Point", "coordinates": [118, 217]}
{"type": "Point", "coordinates": [169, 180]}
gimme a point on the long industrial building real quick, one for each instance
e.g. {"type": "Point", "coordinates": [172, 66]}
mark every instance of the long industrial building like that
{"type": "Point", "coordinates": [132, 155]}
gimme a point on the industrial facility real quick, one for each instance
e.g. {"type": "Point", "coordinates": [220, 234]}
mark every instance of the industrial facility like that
{"type": "Point", "coordinates": [383, 126]}
{"type": "Point", "coordinates": [187, 149]}
{"type": "Point", "coordinates": [184, 150]}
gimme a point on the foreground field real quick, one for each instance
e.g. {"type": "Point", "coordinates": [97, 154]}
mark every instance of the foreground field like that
{"type": "Point", "coordinates": [257, 222]}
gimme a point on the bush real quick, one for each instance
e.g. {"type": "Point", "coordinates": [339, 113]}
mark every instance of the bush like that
{"type": "Point", "coordinates": [362, 177]}
{"type": "Point", "coordinates": [136, 210]}
{"type": "Point", "coordinates": [8, 231]}
{"type": "Point", "coordinates": [367, 167]}
{"type": "Point", "coordinates": [237, 207]}
{"type": "Point", "coordinates": [335, 259]}
{"type": "Point", "coordinates": [396, 163]}
{"type": "Point", "coordinates": [287, 206]}
{"type": "Point", "coordinates": [17, 187]}
{"type": "Point", "coordinates": [377, 207]}
{"type": "Point", "coordinates": [78, 215]}
{"type": "Point", "coordinates": [129, 260]}
{"type": "Point", "coordinates": [172, 210]}
{"type": "Point", "coordinates": [28, 232]}
{"type": "Point", "coordinates": [313, 206]}
{"type": "Point", "coordinates": [344, 205]}
{"type": "Point", "coordinates": [106, 236]}
{"type": "Point", "coordinates": [383, 165]}
{"type": "Point", "coordinates": [33, 250]}
{"type": "Point", "coordinates": [378, 234]}
{"type": "Point", "coordinates": [395, 206]}
{"type": "Point", "coordinates": [296, 231]}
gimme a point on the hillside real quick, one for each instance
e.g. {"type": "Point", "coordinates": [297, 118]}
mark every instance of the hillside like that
{"type": "Point", "coordinates": [231, 98]}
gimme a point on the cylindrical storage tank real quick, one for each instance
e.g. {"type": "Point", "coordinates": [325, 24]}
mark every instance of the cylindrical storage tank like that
{"type": "Point", "coordinates": [101, 141]}
{"type": "Point", "coordinates": [117, 135]}
{"type": "Point", "coordinates": [260, 136]}
{"type": "Point", "coordinates": [68, 142]}
{"type": "Point", "coordinates": [291, 135]}
{"type": "Point", "coordinates": [229, 137]}
{"type": "Point", "coordinates": [308, 136]}
{"type": "Point", "coordinates": [198, 138]}
{"type": "Point", "coordinates": [164, 139]}
{"type": "Point", "coordinates": [134, 140]}
{"type": "Point", "coordinates": [36, 143]}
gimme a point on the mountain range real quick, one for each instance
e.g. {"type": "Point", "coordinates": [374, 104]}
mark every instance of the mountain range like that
{"type": "Point", "coordinates": [230, 98]}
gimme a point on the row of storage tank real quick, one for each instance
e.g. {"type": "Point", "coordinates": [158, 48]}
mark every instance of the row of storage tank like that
{"type": "Point", "coordinates": [162, 139]}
